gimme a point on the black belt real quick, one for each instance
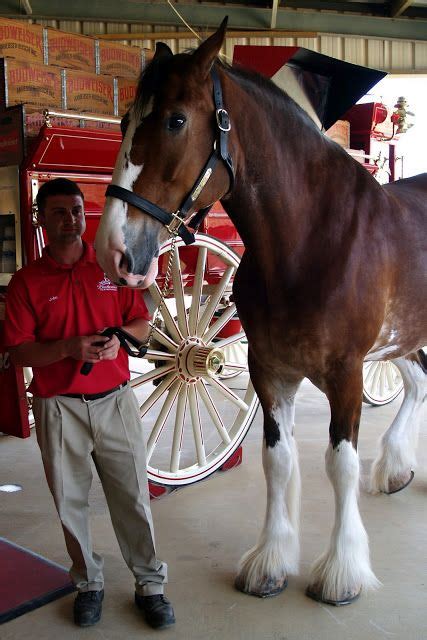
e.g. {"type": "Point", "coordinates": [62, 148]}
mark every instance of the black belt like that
{"type": "Point", "coordinates": [87, 397]}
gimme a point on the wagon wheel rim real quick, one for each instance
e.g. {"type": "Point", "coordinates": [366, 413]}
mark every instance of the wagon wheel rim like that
{"type": "Point", "coordinates": [382, 382]}
{"type": "Point", "coordinates": [194, 419]}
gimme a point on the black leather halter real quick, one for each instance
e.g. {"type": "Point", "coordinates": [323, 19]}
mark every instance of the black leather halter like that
{"type": "Point", "coordinates": [175, 221]}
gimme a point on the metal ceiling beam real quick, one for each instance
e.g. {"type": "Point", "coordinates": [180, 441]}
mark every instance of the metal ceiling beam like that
{"type": "Point", "coordinates": [398, 7]}
{"type": "Point", "coordinates": [208, 17]}
{"type": "Point", "coordinates": [184, 35]}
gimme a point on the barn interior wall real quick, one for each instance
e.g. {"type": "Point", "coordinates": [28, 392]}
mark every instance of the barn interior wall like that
{"type": "Point", "coordinates": [392, 55]}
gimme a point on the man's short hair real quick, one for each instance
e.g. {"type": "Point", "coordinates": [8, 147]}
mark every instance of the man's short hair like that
{"type": "Point", "coordinates": [57, 187]}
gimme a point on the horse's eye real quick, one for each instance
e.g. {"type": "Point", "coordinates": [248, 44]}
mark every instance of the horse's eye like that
{"type": "Point", "coordinates": [176, 121]}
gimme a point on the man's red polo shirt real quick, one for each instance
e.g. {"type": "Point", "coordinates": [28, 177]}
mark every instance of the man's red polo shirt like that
{"type": "Point", "coordinates": [48, 301]}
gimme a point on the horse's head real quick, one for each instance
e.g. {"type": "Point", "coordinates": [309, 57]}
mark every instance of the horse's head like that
{"type": "Point", "coordinates": [168, 136]}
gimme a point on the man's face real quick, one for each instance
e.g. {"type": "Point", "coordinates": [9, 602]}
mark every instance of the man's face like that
{"type": "Point", "coordinates": [63, 218]}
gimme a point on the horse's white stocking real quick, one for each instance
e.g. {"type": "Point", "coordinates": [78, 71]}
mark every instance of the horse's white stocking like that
{"type": "Point", "coordinates": [392, 469]}
{"type": "Point", "coordinates": [264, 569]}
{"type": "Point", "coordinates": [342, 571]}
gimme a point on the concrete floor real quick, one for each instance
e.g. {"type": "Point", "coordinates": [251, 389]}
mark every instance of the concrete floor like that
{"type": "Point", "coordinates": [203, 530]}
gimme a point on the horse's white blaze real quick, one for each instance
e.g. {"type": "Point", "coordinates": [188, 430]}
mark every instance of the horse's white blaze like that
{"type": "Point", "coordinates": [398, 444]}
{"type": "Point", "coordinates": [345, 567]}
{"type": "Point", "coordinates": [277, 551]}
{"type": "Point", "coordinates": [110, 235]}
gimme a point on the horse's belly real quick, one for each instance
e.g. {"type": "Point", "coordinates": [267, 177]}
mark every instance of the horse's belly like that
{"type": "Point", "coordinates": [397, 340]}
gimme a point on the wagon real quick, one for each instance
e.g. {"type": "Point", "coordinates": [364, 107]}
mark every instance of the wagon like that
{"type": "Point", "coordinates": [195, 372]}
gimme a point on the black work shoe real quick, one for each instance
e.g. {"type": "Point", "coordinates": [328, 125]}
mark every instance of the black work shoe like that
{"type": "Point", "coordinates": [88, 607]}
{"type": "Point", "coordinates": [158, 612]}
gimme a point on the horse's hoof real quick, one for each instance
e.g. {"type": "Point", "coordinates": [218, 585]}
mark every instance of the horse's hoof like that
{"type": "Point", "coordinates": [268, 588]}
{"type": "Point", "coordinates": [399, 483]}
{"type": "Point", "coordinates": [348, 598]}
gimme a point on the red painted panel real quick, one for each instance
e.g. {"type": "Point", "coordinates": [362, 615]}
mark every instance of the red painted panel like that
{"type": "Point", "coordinates": [79, 150]}
{"type": "Point", "coordinates": [13, 399]}
{"type": "Point", "coordinates": [263, 59]}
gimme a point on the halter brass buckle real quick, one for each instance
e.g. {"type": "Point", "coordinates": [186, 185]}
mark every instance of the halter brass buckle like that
{"type": "Point", "coordinates": [174, 224]}
{"type": "Point", "coordinates": [223, 119]}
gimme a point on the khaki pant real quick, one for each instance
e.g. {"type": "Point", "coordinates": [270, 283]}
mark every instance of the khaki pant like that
{"type": "Point", "coordinates": [70, 432]}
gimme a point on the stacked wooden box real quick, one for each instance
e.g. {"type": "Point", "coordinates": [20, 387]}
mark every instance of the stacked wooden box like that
{"type": "Point", "coordinates": [44, 68]}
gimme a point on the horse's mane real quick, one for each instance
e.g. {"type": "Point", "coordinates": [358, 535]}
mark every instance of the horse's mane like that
{"type": "Point", "coordinates": [261, 88]}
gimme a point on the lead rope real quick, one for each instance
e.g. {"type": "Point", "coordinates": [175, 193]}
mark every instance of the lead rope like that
{"type": "Point", "coordinates": [162, 293]}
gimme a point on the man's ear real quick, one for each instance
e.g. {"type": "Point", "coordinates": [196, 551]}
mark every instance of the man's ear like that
{"type": "Point", "coordinates": [205, 55]}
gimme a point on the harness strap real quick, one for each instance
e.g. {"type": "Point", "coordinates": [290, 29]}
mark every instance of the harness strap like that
{"type": "Point", "coordinates": [125, 339]}
{"type": "Point", "coordinates": [224, 125]}
{"type": "Point", "coordinates": [149, 207]}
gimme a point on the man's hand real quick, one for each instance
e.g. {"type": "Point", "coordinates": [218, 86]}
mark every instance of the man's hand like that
{"type": "Point", "coordinates": [110, 349]}
{"type": "Point", "coordinates": [88, 348]}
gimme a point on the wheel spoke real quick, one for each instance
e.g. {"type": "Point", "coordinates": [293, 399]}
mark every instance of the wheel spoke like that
{"type": "Point", "coordinates": [165, 340]}
{"type": "Point", "coordinates": [159, 355]}
{"type": "Point", "coordinates": [178, 429]}
{"type": "Point", "coordinates": [157, 393]}
{"type": "Point", "coordinates": [179, 294]}
{"type": "Point", "coordinates": [214, 299]}
{"type": "Point", "coordinates": [162, 417]}
{"type": "Point", "coordinates": [213, 412]}
{"type": "Point", "coordinates": [224, 342]}
{"type": "Point", "coordinates": [170, 323]}
{"type": "Point", "coordinates": [219, 324]}
{"type": "Point", "coordinates": [369, 375]}
{"type": "Point", "coordinates": [153, 374]}
{"type": "Point", "coordinates": [197, 426]}
{"type": "Point", "coordinates": [376, 377]}
{"type": "Point", "coordinates": [197, 290]}
{"type": "Point", "coordinates": [228, 393]}
{"type": "Point", "coordinates": [235, 365]}
{"type": "Point", "coordinates": [382, 379]}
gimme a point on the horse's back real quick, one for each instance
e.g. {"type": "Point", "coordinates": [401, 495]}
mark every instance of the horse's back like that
{"type": "Point", "coordinates": [411, 191]}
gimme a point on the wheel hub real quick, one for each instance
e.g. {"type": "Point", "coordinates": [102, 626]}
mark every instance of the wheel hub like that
{"type": "Point", "coordinates": [195, 360]}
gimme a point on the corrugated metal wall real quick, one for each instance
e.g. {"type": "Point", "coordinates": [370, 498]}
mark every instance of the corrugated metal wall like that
{"type": "Point", "coordinates": [392, 55]}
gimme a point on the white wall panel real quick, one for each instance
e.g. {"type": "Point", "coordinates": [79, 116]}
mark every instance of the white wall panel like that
{"type": "Point", "coordinates": [72, 26]}
{"type": "Point", "coordinates": [93, 28]}
{"type": "Point", "coordinates": [420, 55]}
{"type": "Point", "coordinates": [260, 42]}
{"type": "Point", "coordinates": [331, 46]}
{"type": "Point", "coordinates": [308, 43]}
{"type": "Point", "coordinates": [402, 55]}
{"type": "Point", "coordinates": [375, 54]}
{"type": "Point", "coordinates": [354, 50]}
{"type": "Point", "coordinates": [142, 28]}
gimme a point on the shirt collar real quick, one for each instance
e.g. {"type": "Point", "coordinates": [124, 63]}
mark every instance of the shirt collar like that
{"type": "Point", "coordinates": [87, 256]}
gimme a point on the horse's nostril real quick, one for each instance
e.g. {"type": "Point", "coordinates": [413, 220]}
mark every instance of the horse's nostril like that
{"type": "Point", "coordinates": [123, 281]}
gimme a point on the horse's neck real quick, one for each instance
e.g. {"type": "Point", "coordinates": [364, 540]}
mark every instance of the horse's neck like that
{"type": "Point", "coordinates": [287, 180]}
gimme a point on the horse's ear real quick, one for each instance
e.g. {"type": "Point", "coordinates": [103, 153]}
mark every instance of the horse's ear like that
{"type": "Point", "coordinates": [162, 51]}
{"type": "Point", "coordinates": [205, 55]}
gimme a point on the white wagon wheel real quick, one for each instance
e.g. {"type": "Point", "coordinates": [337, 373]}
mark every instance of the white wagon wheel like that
{"type": "Point", "coordinates": [382, 382]}
{"type": "Point", "coordinates": [194, 418]}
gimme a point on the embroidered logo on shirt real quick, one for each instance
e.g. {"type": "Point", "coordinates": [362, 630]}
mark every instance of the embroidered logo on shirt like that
{"type": "Point", "coordinates": [106, 285]}
{"type": "Point", "coordinates": [52, 298]}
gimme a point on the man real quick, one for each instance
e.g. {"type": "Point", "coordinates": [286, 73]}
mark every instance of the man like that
{"type": "Point", "coordinates": [56, 307]}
